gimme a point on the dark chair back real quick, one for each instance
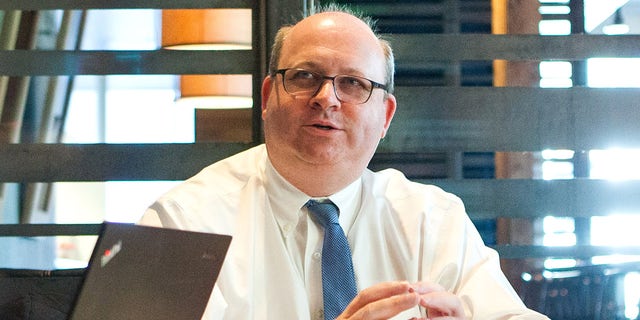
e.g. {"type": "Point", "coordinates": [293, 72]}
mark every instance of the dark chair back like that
{"type": "Point", "coordinates": [590, 292]}
{"type": "Point", "coordinates": [38, 294]}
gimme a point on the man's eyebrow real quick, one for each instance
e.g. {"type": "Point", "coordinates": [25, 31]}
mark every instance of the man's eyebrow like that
{"type": "Point", "coordinates": [346, 72]}
{"type": "Point", "coordinates": [319, 68]}
{"type": "Point", "coordinates": [313, 66]}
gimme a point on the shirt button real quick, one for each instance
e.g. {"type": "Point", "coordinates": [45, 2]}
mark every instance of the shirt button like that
{"type": "Point", "coordinates": [287, 229]}
{"type": "Point", "coordinates": [317, 255]}
{"type": "Point", "coordinates": [320, 314]}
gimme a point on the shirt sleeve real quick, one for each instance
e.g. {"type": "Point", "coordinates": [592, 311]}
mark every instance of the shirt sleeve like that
{"type": "Point", "coordinates": [166, 213]}
{"type": "Point", "coordinates": [467, 267]}
{"type": "Point", "coordinates": [150, 218]}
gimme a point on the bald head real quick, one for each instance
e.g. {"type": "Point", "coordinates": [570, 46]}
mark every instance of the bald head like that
{"type": "Point", "coordinates": [338, 25]}
{"type": "Point", "coordinates": [339, 29]}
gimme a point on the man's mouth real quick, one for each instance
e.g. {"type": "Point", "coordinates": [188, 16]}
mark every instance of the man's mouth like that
{"type": "Point", "coordinates": [323, 127]}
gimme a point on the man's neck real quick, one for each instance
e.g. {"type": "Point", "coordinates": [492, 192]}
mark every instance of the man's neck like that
{"type": "Point", "coordinates": [317, 180]}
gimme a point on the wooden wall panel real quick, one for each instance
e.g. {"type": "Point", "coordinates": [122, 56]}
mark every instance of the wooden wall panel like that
{"type": "Point", "coordinates": [513, 119]}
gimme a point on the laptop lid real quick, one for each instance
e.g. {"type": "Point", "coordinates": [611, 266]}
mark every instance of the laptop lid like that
{"type": "Point", "coordinates": [139, 272]}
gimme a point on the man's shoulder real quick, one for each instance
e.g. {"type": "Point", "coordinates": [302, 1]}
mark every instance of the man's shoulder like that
{"type": "Point", "coordinates": [214, 191]}
{"type": "Point", "coordinates": [238, 167]}
{"type": "Point", "coordinates": [224, 176]}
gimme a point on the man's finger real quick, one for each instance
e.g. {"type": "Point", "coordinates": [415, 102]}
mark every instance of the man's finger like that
{"type": "Point", "coordinates": [441, 304]}
{"type": "Point", "coordinates": [386, 308]}
{"type": "Point", "coordinates": [425, 287]}
{"type": "Point", "coordinates": [375, 293]}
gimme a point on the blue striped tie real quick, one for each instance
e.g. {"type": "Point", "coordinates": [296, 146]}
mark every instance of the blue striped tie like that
{"type": "Point", "coordinates": [338, 281]}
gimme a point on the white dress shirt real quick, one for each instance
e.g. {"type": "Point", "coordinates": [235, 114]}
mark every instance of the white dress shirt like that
{"type": "Point", "coordinates": [397, 230]}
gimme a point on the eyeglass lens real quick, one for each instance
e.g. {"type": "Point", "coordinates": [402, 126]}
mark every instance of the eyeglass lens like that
{"type": "Point", "coordinates": [349, 89]}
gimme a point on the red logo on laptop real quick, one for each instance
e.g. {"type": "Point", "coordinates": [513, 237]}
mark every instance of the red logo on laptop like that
{"type": "Point", "coordinates": [110, 253]}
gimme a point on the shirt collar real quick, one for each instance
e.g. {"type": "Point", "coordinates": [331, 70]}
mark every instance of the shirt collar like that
{"type": "Point", "coordinates": [348, 201]}
{"type": "Point", "coordinates": [286, 200]}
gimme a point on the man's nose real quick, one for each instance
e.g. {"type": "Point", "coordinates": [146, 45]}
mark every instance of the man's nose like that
{"type": "Point", "coordinates": [326, 94]}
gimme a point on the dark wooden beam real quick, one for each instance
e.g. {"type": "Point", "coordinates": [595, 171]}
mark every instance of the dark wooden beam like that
{"type": "Point", "coordinates": [123, 4]}
{"type": "Point", "coordinates": [513, 119]}
{"type": "Point", "coordinates": [416, 48]}
{"type": "Point", "coordinates": [71, 62]}
{"type": "Point", "coordinates": [105, 162]}
{"type": "Point", "coordinates": [530, 199]}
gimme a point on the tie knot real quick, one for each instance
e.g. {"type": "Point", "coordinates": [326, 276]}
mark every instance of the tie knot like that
{"type": "Point", "coordinates": [325, 212]}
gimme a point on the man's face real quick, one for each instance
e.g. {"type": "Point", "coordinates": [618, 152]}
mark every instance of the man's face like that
{"type": "Point", "coordinates": [320, 129]}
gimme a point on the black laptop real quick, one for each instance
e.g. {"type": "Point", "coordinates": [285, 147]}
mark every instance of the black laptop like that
{"type": "Point", "coordinates": [139, 272]}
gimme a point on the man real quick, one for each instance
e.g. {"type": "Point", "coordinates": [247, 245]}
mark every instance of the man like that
{"type": "Point", "coordinates": [327, 102]}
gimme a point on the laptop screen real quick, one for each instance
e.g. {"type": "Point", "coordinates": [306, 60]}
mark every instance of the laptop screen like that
{"type": "Point", "coordinates": [139, 272]}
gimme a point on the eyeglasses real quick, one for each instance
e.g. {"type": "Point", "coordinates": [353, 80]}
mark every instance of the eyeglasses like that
{"type": "Point", "coordinates": [348, 89]}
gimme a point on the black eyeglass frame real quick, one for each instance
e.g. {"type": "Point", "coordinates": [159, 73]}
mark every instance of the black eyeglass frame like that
{"type": "Point", "coordinates": [374, 84]}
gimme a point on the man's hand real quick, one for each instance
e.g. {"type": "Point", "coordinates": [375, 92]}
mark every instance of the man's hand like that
{"type": "Point", "coordinates": [439, 303]}
{"type": "Point", "coordinates": [388, 299]}
{"type": "Point", "coordinates": [381, 301]}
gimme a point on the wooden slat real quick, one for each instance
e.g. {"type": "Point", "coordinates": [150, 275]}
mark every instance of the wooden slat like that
{"type": "Point", "coordinates": [578, 252]}
{"type": "Point", "coordinates": [103, 162]}
{"type": "Point", "coordinates": [48, 230]}
{"type": "Point", "coordinates": [513, 119]}
{"type": "Point", "coordinates": [41, 62]}
{"type": "Point", "coordinates": [490, 199]}
{"type": "Point", "coordinates": [400, 9]}
{"type": "Point", "coordinates": [412, 51]}
{"type": "Point", "coordinates": [416, 48]}
{"type": "Point", "coordinates": [122, 4]}
{"type": "Point", "coordinates": [483, 198]}
{"type": "Point", "coordinates": [505, 251]}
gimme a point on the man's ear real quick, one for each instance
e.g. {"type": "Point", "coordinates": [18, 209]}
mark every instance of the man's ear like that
{"type": "Point", "coordinates": [390, 109]}
{"type": "Point", "coordinates": [265, 92]}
